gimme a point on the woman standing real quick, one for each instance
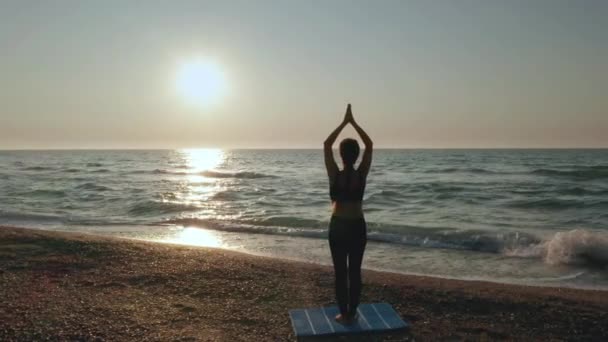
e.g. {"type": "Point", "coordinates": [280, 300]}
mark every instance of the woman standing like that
{"type": "Point", "coordinates": [347, 227]}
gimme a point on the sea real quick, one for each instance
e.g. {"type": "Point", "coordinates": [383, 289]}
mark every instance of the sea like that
{"type": "Point", "coordinates": [533, 217]}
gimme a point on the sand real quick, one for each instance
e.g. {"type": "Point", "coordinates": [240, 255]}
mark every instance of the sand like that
{"type": "Point", "coordinates": [66, 286]}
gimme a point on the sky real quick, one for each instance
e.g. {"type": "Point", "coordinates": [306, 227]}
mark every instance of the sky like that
{"type": "Point", "coordinates": [419, 74]}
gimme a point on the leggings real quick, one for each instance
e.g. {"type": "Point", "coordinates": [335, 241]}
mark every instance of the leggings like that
{"type": "Point", "coordinates": [347, 240]}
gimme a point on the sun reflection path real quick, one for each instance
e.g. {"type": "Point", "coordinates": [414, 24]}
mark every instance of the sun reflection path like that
{"type": "Point", "coordinates": [201, 187]}
{"type": "Point", "coordinates": [203, 159]}
{"type": "Point", "coordinates": [196, 237]}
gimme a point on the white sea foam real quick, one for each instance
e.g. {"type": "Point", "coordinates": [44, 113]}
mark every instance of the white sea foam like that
{"type": "Point", "coordinates": [573, 247]}
{"type": "Point", "coordinates": [577, 246]}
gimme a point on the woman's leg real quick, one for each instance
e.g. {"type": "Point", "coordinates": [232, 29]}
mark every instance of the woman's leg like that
{"type": "Point", "coordinates": [339, 256]}
{"type": "Point", "coordinates": [355, 258]}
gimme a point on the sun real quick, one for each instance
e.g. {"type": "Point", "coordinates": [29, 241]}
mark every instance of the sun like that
{"type": "Point", "coordinates": [200, 82]}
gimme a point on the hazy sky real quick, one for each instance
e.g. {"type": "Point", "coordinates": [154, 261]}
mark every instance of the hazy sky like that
{"type": "Point", "coordinates": [101, 74]}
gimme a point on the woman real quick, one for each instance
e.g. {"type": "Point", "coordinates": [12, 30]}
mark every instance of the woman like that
{"type": "Point", "coordinates": [347, 227]}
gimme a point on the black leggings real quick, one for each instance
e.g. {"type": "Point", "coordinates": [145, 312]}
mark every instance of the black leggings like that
{"type": "Point", "coordinates": [347, 240]}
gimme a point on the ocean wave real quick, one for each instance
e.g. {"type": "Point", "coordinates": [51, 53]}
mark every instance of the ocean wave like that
{"type": "Point", "coordinates": [163, 172]}
{"type": "Point", "coordinates": [571, 276]}
{"type": "Point", "coordinates": [440, 187]}
{"type": "Point", "coordinates": [577, 191]}
{"type": "Point", "coordinates": [573, 247]}
{"type": "Point", "coordinates": [71, 170]}
{"type": "Point", "coordinates": [37, 168]}
{"type": "Point", "coordinates": [570, 247]}
{"type": "Point", "coordinates": [64, 220]}
{"type": "Point", "coordinates": [78, 170]}
{"type": "Point", "coordinates": [159, 207]}
{"type": "Point", "coordinates": [255, 227]}
{"type": "Point", "coordinates": [546, 203]}
{"type": "Point", "coordinates": [159, 172]}
{"type": "Point", "coordinates": [47, 193]}
{"type": "Point", "coordinates": [433, 237]}
{"type": "Point", "coordinates": [11, 216]}
{"type": "Point", "coordinates": [383, 196]}
{"type": "Point", "coordinates": [287, 221]}
{"type": "Point", "coordinates": [557, 203]}
{"type": "Point", "coordinates": [577, 246]}
{"type": "Point", "coordinates": [94, 164]}
{"type": "Point", "coordinates": [280, 224]}
{"type": "Point", "coordinates": [473, 170]}
{"type": "Point", "coordinates": [581, 173]}
{"type": "Point", "coordinates": [226, 195]}
{"type": "Point", "coordinates": [240, 174]}
{"type": "Point", "coordinates": [212, 173]}
{"type": "Point", "coordinates": [92, 186]}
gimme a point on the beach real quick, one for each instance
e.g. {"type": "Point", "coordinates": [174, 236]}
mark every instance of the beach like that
{"type": "Point", "coordinates": [72, 286]}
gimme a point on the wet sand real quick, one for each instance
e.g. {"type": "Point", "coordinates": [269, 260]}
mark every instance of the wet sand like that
{"type": "Point", "coordinates": [66, 286]}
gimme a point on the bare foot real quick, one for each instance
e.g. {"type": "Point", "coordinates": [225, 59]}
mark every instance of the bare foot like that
{"type": "Point", "coordinates": [344, 319]}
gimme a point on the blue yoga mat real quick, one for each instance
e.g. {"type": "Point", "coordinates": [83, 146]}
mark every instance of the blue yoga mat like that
{"type": "Point", "coordinates": [372, 318]}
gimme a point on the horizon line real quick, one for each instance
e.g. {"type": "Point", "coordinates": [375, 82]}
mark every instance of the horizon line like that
{"type": "Point", "coordinates": [296, 148]}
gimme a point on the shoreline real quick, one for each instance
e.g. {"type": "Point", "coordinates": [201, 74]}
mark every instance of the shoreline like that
{"type": "Point", "coordinates": [65, 285]}
{"type": "Point", "coordinates": [246, 252]}
{"type": "Point", "coordinates": [316, 251]}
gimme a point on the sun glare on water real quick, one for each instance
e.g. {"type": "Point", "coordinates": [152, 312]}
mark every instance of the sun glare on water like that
{"type": "Point", "coordinates": [201, 82]}
{"type": "Point", "coordinates": [203, 159]}
{"type": "Point", "coordinates": [196, 237]}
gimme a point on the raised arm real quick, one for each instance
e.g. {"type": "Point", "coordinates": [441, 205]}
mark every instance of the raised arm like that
{"type": "Point", "coordinates": [366, 160]}
{"type": "Point", "coordinates": [330, 163]}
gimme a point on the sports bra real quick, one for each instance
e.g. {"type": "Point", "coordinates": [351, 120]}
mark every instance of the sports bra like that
{"type": "Point", "coordinates": [346, 193]}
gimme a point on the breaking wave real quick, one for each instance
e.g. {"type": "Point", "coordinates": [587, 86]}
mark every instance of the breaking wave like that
{"type": "Point", "coordinates": [573, 247]}
{"type": "Point", "coordinates": [577, 246]}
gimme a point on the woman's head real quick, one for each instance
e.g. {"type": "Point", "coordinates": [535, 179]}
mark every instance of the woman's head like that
{"type": "Point", "coordinates": [349, 151]}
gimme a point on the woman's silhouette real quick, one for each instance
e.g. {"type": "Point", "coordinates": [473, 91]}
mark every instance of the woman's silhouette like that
{"type": "Point", "coordinates": [347, 227]}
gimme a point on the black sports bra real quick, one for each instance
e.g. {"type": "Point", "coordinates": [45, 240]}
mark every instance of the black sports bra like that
{"type": "Point", "coordinates": [346, 193]}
